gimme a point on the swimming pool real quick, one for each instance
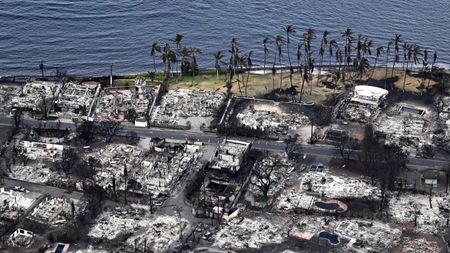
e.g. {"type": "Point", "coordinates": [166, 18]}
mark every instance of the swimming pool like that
{"type": "Point", "coordinates": [332, 238]}
{"type": "Point", "coordinates": [59, 248]}
{"type": "Point", "coordinates": [328, 206]}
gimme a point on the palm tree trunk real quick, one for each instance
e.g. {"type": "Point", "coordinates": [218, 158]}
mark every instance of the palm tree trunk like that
{"type": "Point", "coordinates": [265, 59]}
{"type": "Point", "coordinates": [248, 76]}
{"type": "Point", "coordinates": [374, 67]}
{"type": "Point", "coordinates": [217, 73]}
{"type": "Point", "coordinates": [301, 90]}
{"type": "Point", "coordinates": [154, 63]}
{"type": "Point", "coordinates": [320, 69]}
{"type": "Point", "coordinates": [404, 77]}
{"type": "Point", "coordinates": [339, 71]}
{"type": "Point", "coordinates": [431, 74]}
{"type": "Point", "coordinates": [274, 70]}
{"type": "Point", "coordinates": [392, 71]}
{"type": "Point", "coordinates": [281, 72]}
{"type": "Point", "coordinates": [386, 72]}
{"type": "Point", "coordinates": [290, 64]}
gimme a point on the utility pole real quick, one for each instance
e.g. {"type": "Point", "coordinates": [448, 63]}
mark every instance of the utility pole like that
{"type": "Point", "coordinates": [111, 75]}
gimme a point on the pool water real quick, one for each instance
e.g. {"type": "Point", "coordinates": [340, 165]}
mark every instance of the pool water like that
{"type": "Point", "coordinates": [412, 110]}
{"type": "Point", "coordinates": [328, 206]}
{"type": "Point", "coordinates": [332, 238]}
{"type": "Point", "coordinates": [59, 248]}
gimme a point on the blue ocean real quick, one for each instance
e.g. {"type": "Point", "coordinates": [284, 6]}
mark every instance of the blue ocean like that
{"type": "Point", "coordinates": [85, 37]}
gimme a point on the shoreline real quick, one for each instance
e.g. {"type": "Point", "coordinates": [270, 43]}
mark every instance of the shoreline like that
{"type": "Point", "coordinates": [207, 71]}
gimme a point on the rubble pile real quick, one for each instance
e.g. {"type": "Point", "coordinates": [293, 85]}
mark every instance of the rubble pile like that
{"type": "Point", "coordinates": [418, 245]}
{"type": "Point", "coordinates": [40, 150]}
{"type": "Point", "coordinates": [186, 103]}
{"type": "Point", "coordinates": [293, 198]}
{"type": "Point", "coordinates": [90, 249]}
{"type": "Point", "coordinates": [362, 113]}
{"type": "Point", "coordinates": [410, 130]}
{"type": "Point", "coordinates": [159, 171]}
{"type": "Point", "coordinates": [76, 99]}
{"type": "Point", "coordinates": [314, 186]}
{"type": "Point", "coordinates": [115, 158]}
{"type": "Point", "coordinates": [272, 120]}
{"type": "Point", "coordinates": [159, 234]}
{"type": "Point", "coordinates": [365, 103]}
{"type": "Point", "coordinates": [368, 236]}
{"type": "Point", "coordinates": [332, 186]}
{"type": "Point", "coordinates": [308, 226]}
{"type": "Point", "coordinates": [154, 172]}
{"type": "Point", "coordinates": [6, 94]}
{"type": "Point", "coordinates": [36, 173]}
{"type": "Point", "coordinates": [34, 93]}
{"type": "Point", "coordinates": [21, 238]}
{"type": "Point", "coordinates": [282, 169]}
{"type": "Point", "coordinates": [405, 208]}
{"type": "Point", "coordinates": [242, 233]}
{"type": "Point", "coordinates": [229, 155]}
{"type": "Point", "coordinates": [15, 199]}
{"type": "Point", "coordinates": [116, 104]}
{"type": "Point", "coordinates": [110, 223]}
{"type": "Point", "coordinates": [55, 211]}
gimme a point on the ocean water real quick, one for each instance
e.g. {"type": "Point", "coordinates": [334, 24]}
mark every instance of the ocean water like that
{"type": "Point", "coordinates": [85, 37]}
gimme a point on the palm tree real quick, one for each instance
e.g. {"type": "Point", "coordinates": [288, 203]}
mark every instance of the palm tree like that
{"type": "Point", "coordinates": [363, 49]}
{"type": "Point", "coordinates": [305, 77]}
{"type": "Point", "coordinates": [395, 41]}
{"type": "Point", "coordinates": [388, 51]}
{"type": "Point", "coordinates": [177, 40]}
{"type": "Point", "coordinates": [266, 51]}
{"type": "Point", "coordinates": [340, 60]}
{"type": "Point", "coordinates": [413, 51]}
{"type": "Point", "coordinates": [323, 43]}
{"type": "Point", "coordinates": [331, 46]}
{"type": "Point", "coordinates": [218, 60]}
{"type": "Point", "coordinates": [299, 60]}
{"type": "Point", "coordinates": [379, 51]}
{"type": "Point", "coordinates": [435, 56]}
{"type": "Point", "coordinates": [367, 47]}
{"type": "Point", "coordinates": [194, 66]}
{"type": "Point", "coordinates": [347, 34]}
{"type": "Point", "coordinates": [279, 42]}
{"type": "Point", "coordinates": [405, 54]}
{"type": "Point", "coordinates": [309, 61]}
{"type": "Point", "coordinates": [249, 68]}
{"type": "Point", "coordinates": [289, 29]}
{"type": "Point", "coordinates": [241, 62]}
{"type": "Point", "coordinates": [42, 67]}
{"type": "Point", "coordinates": [169, 57]}
{"type": "Point", "coordinates": [363, 66]}
{"type": "Point", "coordinates": [185, 63]}
{"type": "Point", "coordinates": [424, 65]}
{"type": "Point", "coordinates": [155, 49]}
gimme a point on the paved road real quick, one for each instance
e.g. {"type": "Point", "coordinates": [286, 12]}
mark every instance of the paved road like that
{"type": "Point", "coordinates": [9, 183]}
{"type": "Point", "coordinates": [211, 138]}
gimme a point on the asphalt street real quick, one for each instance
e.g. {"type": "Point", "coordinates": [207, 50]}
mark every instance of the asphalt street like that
{"type": "Point", "coordinates": [325, 151]}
